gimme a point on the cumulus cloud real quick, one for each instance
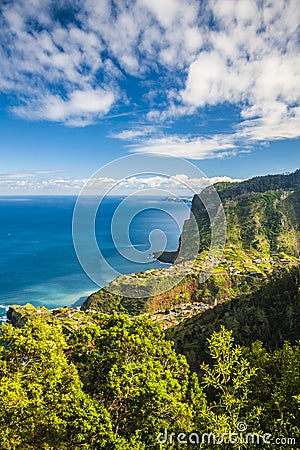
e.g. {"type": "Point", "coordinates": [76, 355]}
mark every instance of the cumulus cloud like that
{"type": "Point", "coordinates": [80, 109]}
{"type": "Point", "coordinates": [176, 185]}
{"type": "Point", "coordinates": [66, 61]}
{"type": "Point", "coordinates": [253, 61]}
{"type": "Point", "coordinates": [72, 62]}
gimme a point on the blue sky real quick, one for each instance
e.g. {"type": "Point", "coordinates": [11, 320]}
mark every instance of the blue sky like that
{"type": "Point", "coordinates": [83, 83]}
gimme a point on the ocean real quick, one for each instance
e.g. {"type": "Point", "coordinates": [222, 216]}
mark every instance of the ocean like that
{"type": "Point", "coordinates": [38, 263]}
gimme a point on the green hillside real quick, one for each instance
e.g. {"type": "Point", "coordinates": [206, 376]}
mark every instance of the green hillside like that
{"type": "Point", "coordinates": [270, 314]}
{"type": "Point", "coordinates": [229, 355]}
{"type": "Point", "coordinates": [263, 237]}
{"type": "Point", "coordinates": [259, 213]}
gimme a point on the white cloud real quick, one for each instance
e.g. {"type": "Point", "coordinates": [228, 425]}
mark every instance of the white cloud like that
{"type": "Point", "coordinates": [46, 57]}
{"type": "Point", "coordinates": [286, 126]}
{"type": "Point", "coordinates": [81, 108]}
{"type": "Point", "coordinates": [26, 174]}
{"type": "Point", "coordinates": [72, 68]}
{"type": "Point", "coordinates": [253, 61]}
{"type": "Point", "coordinates": [52, 67]}
{"type": "Point", "coordinates": [193, 148]}
{"type": "Point", "coordinates": [224, 179]}
{"type": "Point", "coordinates": [211, 81]}
{"type": "Point", "coordinates": [132, 134]}
{"type": "Point", "coordinates": [177, 185]}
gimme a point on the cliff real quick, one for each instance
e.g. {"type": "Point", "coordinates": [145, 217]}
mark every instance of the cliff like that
{"type": "Point", "coordinates": [263, 238]}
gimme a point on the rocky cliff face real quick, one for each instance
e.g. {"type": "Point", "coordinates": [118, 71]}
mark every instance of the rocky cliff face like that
{"type": "Point", "coordinates": [263, 236]}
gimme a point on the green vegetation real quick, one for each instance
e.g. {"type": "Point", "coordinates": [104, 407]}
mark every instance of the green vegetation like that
{"type": "Point", "coordinates": [118, 384]}
{"type": "Point", "coordinates": [270, 314]}
{"type": "Point", "coordinates": [43, 405]}
{"type": "Point", "coordinates": [263, 236]}
{"type": "Point", "coordinates": [285, 182]}
{"type": "Point", "coordinates": [109, 377]}
{"type": "Point", "coordinates": [107, 302]}
{"type": "Point", "coordinates": [68, 318]}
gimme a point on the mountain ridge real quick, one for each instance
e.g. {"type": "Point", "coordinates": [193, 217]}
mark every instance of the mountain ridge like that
{"type": "Point", "coordinates": [263, 235]}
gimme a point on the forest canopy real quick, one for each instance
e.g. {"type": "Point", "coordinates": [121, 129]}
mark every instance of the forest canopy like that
{"type": "Point", "coordinates": [118, 384]}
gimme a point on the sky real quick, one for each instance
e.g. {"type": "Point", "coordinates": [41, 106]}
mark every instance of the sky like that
{"type": "Point", "coordinates": [83, 83]}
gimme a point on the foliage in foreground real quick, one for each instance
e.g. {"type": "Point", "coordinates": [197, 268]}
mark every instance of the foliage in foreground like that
{"type": "Point", "coordinates": [117, 384]}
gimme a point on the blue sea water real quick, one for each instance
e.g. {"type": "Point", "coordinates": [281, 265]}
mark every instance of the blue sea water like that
{"type": "Point", "coordinates": [38, 263]}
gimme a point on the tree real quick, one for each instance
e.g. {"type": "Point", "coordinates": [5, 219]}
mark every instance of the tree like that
{"type": "Point", "coordinates": [127, 365]}
{"type": "Point", "coordinates": [226, 384]}
{"type": "Point", "coordinates": [42, 405]}
{"type": "Point", "coordinates": [276, 388]}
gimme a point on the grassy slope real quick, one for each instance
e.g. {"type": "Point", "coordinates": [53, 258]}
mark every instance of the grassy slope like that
{"type": "Point", "coordinates": [259, 225]}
